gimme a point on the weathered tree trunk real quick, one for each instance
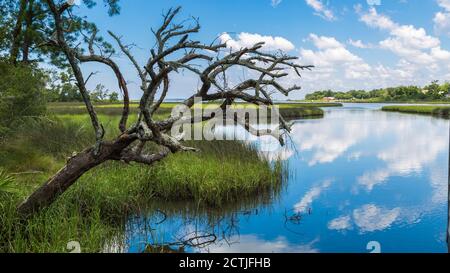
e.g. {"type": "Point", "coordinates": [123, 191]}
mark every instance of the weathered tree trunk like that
{"type": "Point", "coordinates": [28, 32]}
{"type": "Point", "coordinates": [74, 169]}
{"type": "Point", "coordinates": [15, 46]}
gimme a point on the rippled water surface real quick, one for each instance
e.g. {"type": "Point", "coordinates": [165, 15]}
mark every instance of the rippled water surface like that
{"type": "Point", "coordinates": [358, 175]}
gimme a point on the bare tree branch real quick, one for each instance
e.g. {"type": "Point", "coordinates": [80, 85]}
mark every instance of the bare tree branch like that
{"type": "Point", "coordinates": [173, 52]}
{"type": "Point", "coordinates": [71, 57]}
{"type": "Point", "coordinates": [127, 52]}
{"type": "Point", "coordinates": [113, 65]}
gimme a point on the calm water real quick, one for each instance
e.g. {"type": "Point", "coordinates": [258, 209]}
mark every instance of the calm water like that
{"type": "Point", "coordinates": [358, 175]}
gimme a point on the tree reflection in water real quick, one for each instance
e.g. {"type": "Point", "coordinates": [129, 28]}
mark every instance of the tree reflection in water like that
{"type": "Point", "coordinates": [194, 233]}
{"type": "Point", "coordinates": [197, 227]}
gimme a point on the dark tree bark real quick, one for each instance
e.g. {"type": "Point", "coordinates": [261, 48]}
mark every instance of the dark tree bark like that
{"type": "Point", "coordinates": [76, 166]}
{"type": "Point", "coordinates": [27, 40]}
{"type": "Point", "coordinates": [17, 32]}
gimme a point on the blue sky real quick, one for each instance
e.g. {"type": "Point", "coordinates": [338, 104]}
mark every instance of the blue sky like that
{"type": "Point", "coordinates": [355, 44]}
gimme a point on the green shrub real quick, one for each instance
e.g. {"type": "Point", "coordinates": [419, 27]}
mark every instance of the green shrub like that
{"type": "Point", "coordinates": [22, 93]}
{"type": "Point", "coordinates": [5, 183]}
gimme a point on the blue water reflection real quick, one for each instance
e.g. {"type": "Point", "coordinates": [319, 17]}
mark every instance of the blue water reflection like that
{"type": "Point", "coordinates": [357, 175]}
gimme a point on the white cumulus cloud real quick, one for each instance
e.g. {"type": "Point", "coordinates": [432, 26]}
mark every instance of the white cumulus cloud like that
{"type": "Point", "coordinates": [252, 244]}
{"type": "Point", "coordinates": [359, 44]}
{"type": "Point", "coordinates": [341, 223]}
{"type": "Point", "coordinates": [310, 196]}
{"type": "Point", "coordinates": [400, 159]}
{"type": "Point", "coordinates": [321, 10]}
{"type": "Point", "coordinates": [332, 55]}
{"type": "Point", "coordinates": [371, 218]}
{"type": "Point", "coordinates": [409, 42]}
{"type": "Point", "coordinates": [442, 18]}
{"type": "Point", "coordinates": [275, 3]}
{"type": "Point", "coordinates": [245, 39]}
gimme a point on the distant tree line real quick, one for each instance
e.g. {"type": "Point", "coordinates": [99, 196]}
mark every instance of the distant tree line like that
{"type": "Point", "coordinates": [433, 91]}
{"type": "Point", "coordinates": [63, 89]}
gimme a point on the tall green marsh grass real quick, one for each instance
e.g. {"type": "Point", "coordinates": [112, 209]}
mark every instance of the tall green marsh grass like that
{"type": "Point", "coordinates": [439, 111]}
{"type": "Point", "coordinates": [95, 209]}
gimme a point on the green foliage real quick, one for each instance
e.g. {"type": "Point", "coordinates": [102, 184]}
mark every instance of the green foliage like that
{"type": "Point", "coordinates": [6, 23]}
{"type": "Point", "coordinates": [434, 91]}
{"type": "Point", "coordinates": [27, 43]}
{"type": "Point", "coordinates": [113, 6]}
{"type": "Point", "coordinates": [301, 112]}
{"type": "Point", "coordinates": [419, 109]}
{"type": "Point", "coordinates": [63, 88]}
{"type": "Point", "coordinates": [22, 93]}
{"type": "Point", "coordinates": [113, 97]}
{"type": "Point", "coordinates": [51, 230]}
{"type": "Point", "coordinates": [223, 171]}
{"type": "Point", "coordinates": [112, 108]}
{"type": "Point", "coordinates": [318, 95]}
{"type": "Point", "coordinates": [6, 183]}
{"type": "Point", "coordinates": [100, 93]}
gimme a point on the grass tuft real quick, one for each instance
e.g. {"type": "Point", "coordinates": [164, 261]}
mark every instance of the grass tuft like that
{"type": "Point", "coordinates": [420, 109]}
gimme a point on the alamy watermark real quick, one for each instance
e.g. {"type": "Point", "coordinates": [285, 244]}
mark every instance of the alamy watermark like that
{"type": "Point", "coordinates": [374, 247]}
{"type": "Point", "coordinates": [74, 247]}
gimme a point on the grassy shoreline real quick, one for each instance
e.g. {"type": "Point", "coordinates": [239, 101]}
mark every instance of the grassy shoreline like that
{"type": "Point", "coordinates": [437, 111]}
{"type": "Point", "coordinates": [95, 209]}
{"type": "Point", "coordinates": [383, 101]}
{"type": "Point", "coordinates": [288, 110]}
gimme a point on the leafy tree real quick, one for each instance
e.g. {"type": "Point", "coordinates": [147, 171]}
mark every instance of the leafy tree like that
{"type": "Point", "coordinates": [359, 94]}
{"type": "Point", "coordinates": [377, 93]}
{"type": "Point", "coordinates": [63, 88]}
{"type": "Point", "coordinates": [27, 29]}
{"type": "Point", "coordinates": [434, 90]}
{"type": "Point", "coordinates": [114, 97]}
{"type": "Point", "coordinates": [445, 89]}
{"type": "Point", "coordinates": [100, 93]}
{"type": "Point", "coordinates": [5, 25]}
{"type": "Point", "coordinates": [22, 93]}
{"type": "Point", "coordinates": [343, 96]}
